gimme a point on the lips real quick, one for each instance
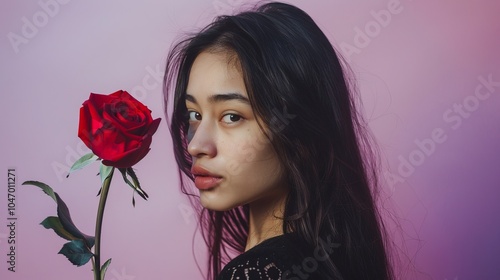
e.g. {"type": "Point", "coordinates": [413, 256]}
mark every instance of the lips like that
{"type": "Point", "coordinates": [204, 179]}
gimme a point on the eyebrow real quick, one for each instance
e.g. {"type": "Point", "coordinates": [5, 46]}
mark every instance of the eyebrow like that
{"type": "Point", "coordinates": [216, 98]}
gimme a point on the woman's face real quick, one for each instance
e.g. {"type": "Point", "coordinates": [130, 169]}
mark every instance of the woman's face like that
{"type": "Point", "coordinates": [225, 140]}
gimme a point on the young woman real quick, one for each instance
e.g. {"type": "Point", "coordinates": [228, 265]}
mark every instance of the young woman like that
{"type": "Point", "coordinates": [264, 123]}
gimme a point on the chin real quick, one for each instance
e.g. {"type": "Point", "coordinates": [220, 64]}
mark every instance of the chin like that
{"type": "Point", "coordinates": [216, 203]}
{"type": "Point", "coordinates": [217, 206]}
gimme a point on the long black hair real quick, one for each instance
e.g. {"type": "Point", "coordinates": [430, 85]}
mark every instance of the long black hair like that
{"type": "Point", "coordinates": [298, 86]}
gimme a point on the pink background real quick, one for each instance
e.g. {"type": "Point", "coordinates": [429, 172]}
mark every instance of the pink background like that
{"type": "Point", "coordinates": [411, 70]}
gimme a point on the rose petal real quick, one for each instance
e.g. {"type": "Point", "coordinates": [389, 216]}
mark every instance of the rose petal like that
{"type": "Point", "coordinates": [106, 149]}
{"type": "Point", "coordinates": [95, 116]}
{"type": "Point", "coordinates": [138, 127]}
{"type": "Point", "coordinates": [154, 126]}
{"type": "Point", "coordinates": [131, 157]}
{"type": "Point", "coordinates": [98, 100]}
{"type": "Point", "coordinates": [125, 114]}
{"type": "Point", "coordinates": [84, 127]}
{"type": "Point", "coordinates": [121, 127]}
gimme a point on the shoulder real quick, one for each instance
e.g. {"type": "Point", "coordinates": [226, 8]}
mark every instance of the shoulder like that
{"type": "Point", "coordinates": [270, 260]}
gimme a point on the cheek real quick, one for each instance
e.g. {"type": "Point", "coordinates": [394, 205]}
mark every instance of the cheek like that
{"type": "Point", "coordinates": [265, 169]}
{"type": "Point", "coordinates": [254, 167]}
{"type": "Point", "coordinates": [245, 154]}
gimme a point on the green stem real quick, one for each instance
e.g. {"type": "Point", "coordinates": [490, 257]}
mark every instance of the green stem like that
{"type": "Point", "coordinates": [98, 226]}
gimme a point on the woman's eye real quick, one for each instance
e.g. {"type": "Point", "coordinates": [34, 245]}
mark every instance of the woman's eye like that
{"type": "Point", "coordinates": [194, 116]}
{"type": "Point", "coordinates": [231, 118]}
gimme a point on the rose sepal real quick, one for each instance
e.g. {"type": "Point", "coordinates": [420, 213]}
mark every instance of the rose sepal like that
{"type": "Point", "coordinates": [82, 162]}
{"type": "Point", "coordinates": [105, 172]}
{"type": "Point", "coordinates": [135, 185]}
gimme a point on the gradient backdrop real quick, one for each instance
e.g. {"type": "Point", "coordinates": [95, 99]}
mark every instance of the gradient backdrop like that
{"type": "Point", "coordinates": [428, 72]}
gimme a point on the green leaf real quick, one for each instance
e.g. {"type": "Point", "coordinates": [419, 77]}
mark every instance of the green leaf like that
{"type": "Point", "coordinates": [105, 172]}
{"type": "Point", "coordinates": [135, 186]}
{"type": "Point", "coordinates": [83, 161]}
{"type": "Point", "coordinates": [46, 189]}
{"type": "Point", "coordinates": [62, 224]}
{"type": "Point", "coordinates": [104, 268]}
{"type": "Point", "coordinates": [77, 252]}
{"type": "Point", "coordinates": [55, 224]}
{"type": "Point", "coordinates": [68, 225]}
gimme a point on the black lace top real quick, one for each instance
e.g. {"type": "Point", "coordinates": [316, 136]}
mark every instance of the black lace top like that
{"type": "Point", "coordinates": [279, 257]}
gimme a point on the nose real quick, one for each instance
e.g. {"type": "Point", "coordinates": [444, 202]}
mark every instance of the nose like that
{"type": "Point", "coordinates": [202, 140]}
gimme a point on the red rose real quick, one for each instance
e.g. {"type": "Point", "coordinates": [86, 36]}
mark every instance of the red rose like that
{"type": "Point", "coordinates": [117, 128]}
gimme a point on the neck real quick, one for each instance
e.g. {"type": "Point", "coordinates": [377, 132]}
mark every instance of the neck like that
{"type": "Point", "coordinates": [266, 218]}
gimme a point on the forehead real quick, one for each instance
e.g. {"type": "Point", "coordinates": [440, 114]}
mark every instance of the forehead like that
{"type": "Point", "coordinates": [215, 72]}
